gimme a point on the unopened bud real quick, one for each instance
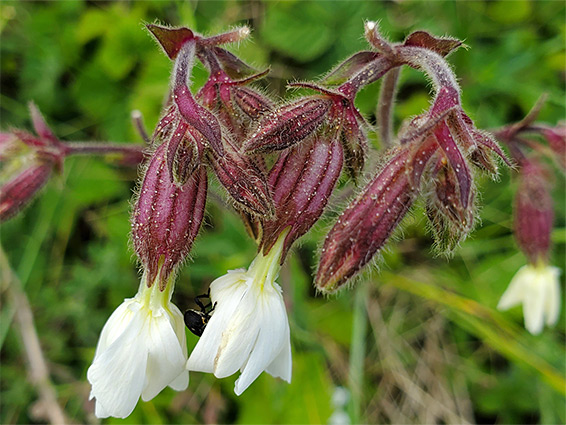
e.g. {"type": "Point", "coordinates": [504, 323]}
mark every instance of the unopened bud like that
{"type": "Point", "coordinates": [451, 222]}
{"type": "Point", "coordinates": [22, 187]}
{"type": "Point", "coordinates": [243, 181]}
{"type": "Point", "coordinates": [166, 217]}
{"type": "Point", "coordinates": [533, 212]}
{"type": "Point", "coordinates": [289, 125]}
{"type": "Point", "coordinates": [301, 181]}
{"type": "Point", "coordinates": [368, 222]}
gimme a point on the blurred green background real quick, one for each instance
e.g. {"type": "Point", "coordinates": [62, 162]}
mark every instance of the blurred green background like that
{"type": "Point", "coordinates": [418, 341]}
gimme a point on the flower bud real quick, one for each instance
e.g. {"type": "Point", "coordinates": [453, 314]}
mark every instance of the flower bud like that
{"type": "Point", "coordinates": [533, 212]}
{"type": "Point", "coordinates": [27, 162]}
{"type": "Point", "coordinates": [368, 222]}
{"type": "Point", "coordinates": [289, 125]}
{"type": "Point", "coordinates": [354, 141]}
{"type": "Point", "coordinates": [22, 187]}
{"type": "Point", "coordinates": [243, 180]}
{"type": "Point", "coordinates": [450, 221]}
{"type": "Point", "coordinates": [166, 217]}
{"type": "Point", "coordinates": [301, 181]}
{"type": "Point", "coordinates": [556, 137]}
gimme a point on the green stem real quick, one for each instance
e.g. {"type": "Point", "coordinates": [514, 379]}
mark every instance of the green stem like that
{"type": "Point", "coordinates": [29, 257]}
{"type": "Point", "coordinates": [357, 353]}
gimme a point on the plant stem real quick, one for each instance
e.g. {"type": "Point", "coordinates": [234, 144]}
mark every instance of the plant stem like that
{"type": "Point", "coordinates": [357, 352]}
{"type": "Point", "coordinates": [37, 365]}
{"type": "Point", "coordinates": [385, 106]}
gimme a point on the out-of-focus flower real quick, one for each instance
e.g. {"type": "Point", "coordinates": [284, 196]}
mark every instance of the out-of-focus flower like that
{"type": "Point", "coordinates": [142, 349]}
{"type": "Point", "coordinates": [340, 399]}
{"type": "Point", "coordinates": [249, 329]}
{"type": "Point", "coordinates": [27, 161]}
{"type": "Point", "coordinates": [535, 285]}
{"type": "Point", "coordinates": [537, 289]}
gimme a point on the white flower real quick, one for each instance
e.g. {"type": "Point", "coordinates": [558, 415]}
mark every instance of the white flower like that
{"type": "Point", "coordinates": [142, 349]}
{"type": "Point", "coordinates": [538, 289]}
{"type": "Point", "coordinates": [249, 329]}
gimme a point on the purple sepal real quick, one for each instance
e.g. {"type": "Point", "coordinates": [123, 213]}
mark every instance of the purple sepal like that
{"type": "Point", "coordinates": [350, 67]}
{"type": "Point", "coordinates": [18, 192]}
{"type": "Point", "coordinates": [441, 45]}
{"type": "Point", "coordinates": [301, 181]}
{"type": "Point", "coordinates": [368, 222]}
{"type": "Point", "coordinates": [289, 125]}
{"type": "Point", "coordinates": [457, 162]}
{"type": "Point", "coordinates": [243, 180]}
{"type": "Point", "coordinates": [171, 39]}
{"type": "Point", "coordinates": [166, 217]}
{"type": "Point", "coordinates": [533, 212]}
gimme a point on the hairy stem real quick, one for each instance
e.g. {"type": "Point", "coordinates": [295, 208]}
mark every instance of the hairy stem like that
{"type": "Point", "coordinates": [384, 111]}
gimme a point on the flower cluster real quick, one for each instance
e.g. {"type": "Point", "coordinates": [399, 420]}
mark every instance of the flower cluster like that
{"type": "Point", "coordinates": [28, 161]}
{"type": "Point", "coordinates": [535, 286]}
{"type": "Point", "coordinates": [441, 145]}
{"type": "Point", "coordinates": [279, 165]}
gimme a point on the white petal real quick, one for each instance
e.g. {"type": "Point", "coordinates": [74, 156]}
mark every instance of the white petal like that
{"type": "Point", "coordinates": [117, 375]}
{"type": "Point", "coordinates": [533, 306]}
{"type": "Point", "coordinates": [117, 323]}
{"type": "Point", "coordinates": [515, 292]}
{"type": "Point", "coordinates": [227, 291]}
{"type": "Point", "coordinates": [239, 336]}
{"type": "Point", "coordinates": [282, 366]}
{"type": "Point", "coordinates": [181, 382]}
{"type": "Point", "coordinates": [166, 358]}
{"type": "Point", "coordinates": [552, 306]}
{"type": "Point", "coordinates": [273, 336]}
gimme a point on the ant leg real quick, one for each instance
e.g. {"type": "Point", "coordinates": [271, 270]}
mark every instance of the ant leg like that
{"type": "Point", "coordinates": [199, 302]}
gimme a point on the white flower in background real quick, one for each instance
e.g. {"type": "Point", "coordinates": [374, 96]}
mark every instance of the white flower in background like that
{"type": "Point", "coordinates": [538, 290]}
{"type": "Point", "coordinates": [249, 329]}
{"type": "Point", "coordinates": [142, 349]}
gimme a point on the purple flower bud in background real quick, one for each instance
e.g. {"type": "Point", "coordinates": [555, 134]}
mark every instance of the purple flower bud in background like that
{"type": "Point", "coordinates": [166, 217]}
{"type": "Point", "coordinates": [533, 212]}
{"type": "Point", "coordinates": [556, 137]}
{"type": "Point", "coordinates": [27, 163]}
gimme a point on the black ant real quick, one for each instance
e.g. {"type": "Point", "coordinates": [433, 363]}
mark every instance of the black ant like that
{"type": "Point", "coordinates": [196, 320]}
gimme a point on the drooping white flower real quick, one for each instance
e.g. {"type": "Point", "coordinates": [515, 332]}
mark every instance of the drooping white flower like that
{"type": "Point", "coordinates": [249, 329]}
{"type": "Point", "coordinates": [538, 290]}
{"type": "Point", "coordinates": [142, 349]}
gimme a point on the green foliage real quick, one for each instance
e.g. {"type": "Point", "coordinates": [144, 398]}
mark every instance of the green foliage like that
{"type": "Point", "coordinates": [88, 64]}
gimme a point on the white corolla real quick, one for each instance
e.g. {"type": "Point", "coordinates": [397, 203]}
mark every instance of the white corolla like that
{"type": "Point", "coordinates": [537, 288]}
{"type": "Point", "coordinates": [142, 349]}
{"type": "Point", "coordinates": [249, 329]}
